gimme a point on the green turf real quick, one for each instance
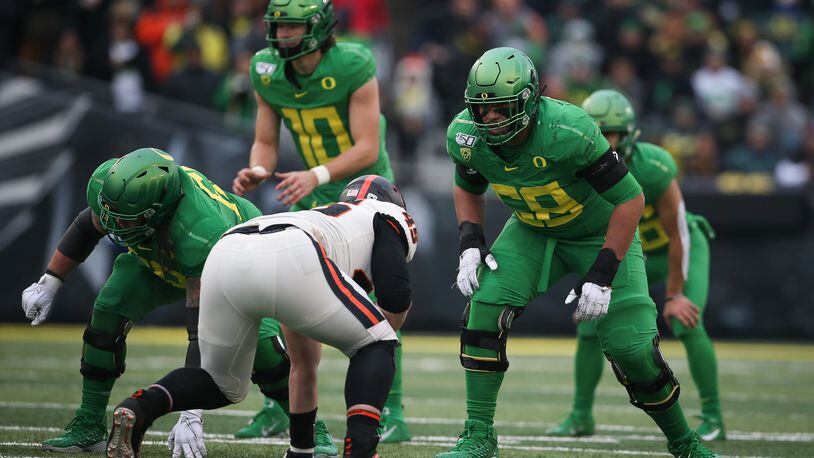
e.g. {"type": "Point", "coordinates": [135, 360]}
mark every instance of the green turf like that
{"type": "Point", "coordinates": [767, 399]}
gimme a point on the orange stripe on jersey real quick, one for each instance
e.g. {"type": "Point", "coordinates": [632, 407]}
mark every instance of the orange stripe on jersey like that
{"type": "Point", "coordinates": [345, 291]}
{"type": "Point", "coordinates": [365, 186]}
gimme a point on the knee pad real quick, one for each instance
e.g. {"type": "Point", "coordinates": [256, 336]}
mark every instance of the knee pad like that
{"type": "Point", "coordinates": [113, 342]}
{"type": "Point", "coordinates": [665, 379]}
{"type": "Point", "coordinates": [266, 378]}
{"type": "Point", "coordinates": [492, 341]}
{"type": "Point", "coordinates": [369, 369]}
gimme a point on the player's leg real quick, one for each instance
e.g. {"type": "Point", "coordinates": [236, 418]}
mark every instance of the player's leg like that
{"type": "Point", "coordinates": [588, 365]}
{"type": "Point", "coordinates": [393, 425]}
{"type": "Point", "coordinates": [305, 354]}
{"type": "Point", "coordinates": [523, 257]}
{"type": "Point", "coordinates": [700, 352]}
{"type": "Point", "coordinates": [347, 320]}
{"type": "Point", "coordinates": [130, 292]}
{"type": "Point", "coordinates": [629, 338]}
{"type": "Point", "coordinates": [232, 304]}
{"type": "Point", "coordinates": [271, 369]}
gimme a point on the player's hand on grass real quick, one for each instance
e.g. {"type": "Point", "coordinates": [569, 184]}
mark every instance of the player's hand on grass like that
{"type": "Point", "coordinates": [187, 437]}
{"type": "Point", "coordinates": [38, 298]}
{"type": "Point", "coordinates": [594, 289]}
{"type": "Point", "coordinates": [248, 179]}
{"type": "Point", "coordinates": [681, 308]}
{"type": "Point", "coordinates": [295, 185]}
{"type": "Point", "coordinates": [468, 264]}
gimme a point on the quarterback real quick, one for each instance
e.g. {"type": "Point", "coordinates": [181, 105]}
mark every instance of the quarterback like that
{"type": "Point", "coordinates": [338, 254]}
{"type": "Point", "coordinates": [327, 95]}
{"type": "Point", "coordinates": [576, 207]}
{"type": "Point", "coordinates": [676, 247]}
{"type": "Point", "coordinates": [168, 217]}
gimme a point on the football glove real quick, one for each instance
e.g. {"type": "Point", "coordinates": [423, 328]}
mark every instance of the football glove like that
{"type": "Point", "coordinates": [594, 289]}
{"type": "Point", "coordinates": [38, 298]}
{"type": "Point", "coordinates": [187, 437]}
{"type": "Point", "coordinates": [473, 253]}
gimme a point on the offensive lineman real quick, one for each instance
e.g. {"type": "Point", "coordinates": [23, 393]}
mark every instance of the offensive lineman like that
{"type": "Point", "coordinates": [260, 269]}
{"type": "Point", "coordinates": [327, 95]}
{"type": "Point", "coordinates": [575, 210]}
{"type": "Point", "coordinates": [168, 217]}
{"type": "Point", "coordinates": [677, 252]}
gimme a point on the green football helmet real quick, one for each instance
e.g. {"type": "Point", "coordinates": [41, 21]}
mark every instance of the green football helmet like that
{"type": "Point", "coordinates": [613, 112]}
{"type": "Point", "coordinates": [139, 193]}
{"type": "Point", "coordinates": [317, 15]}
{"type": "Point", "coordinates": [507, 78]}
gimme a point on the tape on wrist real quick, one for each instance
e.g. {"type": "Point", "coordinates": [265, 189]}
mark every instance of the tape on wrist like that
{"type": "Point", "coordinates": [322, 173]}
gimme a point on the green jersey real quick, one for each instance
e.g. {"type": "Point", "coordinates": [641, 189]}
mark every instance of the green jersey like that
{"type": "Point", "coordinates": [654, 169]}
{"type": "Point", "coordinates": [203, 214]}
{"type": "Point", "coordinates": [317, 113]}
{"type": "Point", "coordinates": [538, 179]}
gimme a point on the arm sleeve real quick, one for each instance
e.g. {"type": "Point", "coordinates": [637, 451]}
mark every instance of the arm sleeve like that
{"type": "Point", "coordinates": [388, 265]}
{"type": "Point", "coordinates": [81, 237]}
{"type": "Point", "coordinates": [470, 180]}
{"type": "Point", "coordinates": [624, 190]}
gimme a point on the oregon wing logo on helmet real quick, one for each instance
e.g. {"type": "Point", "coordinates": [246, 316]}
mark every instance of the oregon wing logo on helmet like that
{"type": "Point", "coordinates": [372, 187]}
{"type": "Point", "coordinates": [504, 80]}
{"type": "Point", "coordinates": [316, 15]}
{"type": "Point", "coordinates": [138, 193]}
{"type": "Point", "coordinates": [613, 112]}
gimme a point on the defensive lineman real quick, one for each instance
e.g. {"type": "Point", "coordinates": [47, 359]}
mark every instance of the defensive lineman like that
{"type": "Point", "coordinates": [677, 252]}
{"type": "Point", "coordinates": [576, 207]}
{"type": "Point", "coordinates": [327, 95]}
{"type": "Point", "coordinates": [262, 269]}
{"type": "Point", "coordinates": [168, 217]}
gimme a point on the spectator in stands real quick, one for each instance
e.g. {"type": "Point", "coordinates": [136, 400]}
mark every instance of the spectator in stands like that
{"type": "Point", "coordinates": [235, 96]}
{"type": "Point", "coordinates": [622, 76]}
{"type": "Point", "coordinates": [414, 103]}
{"type": "Point", "coordinates": [211, 39]}
{"type": "Point", "coordinates": [69, 56]}
{"type": "Point", "coordinates": [577, 42]}
{"type": "Point", "coordinates": [703, 161]}
{"type": "Point", "coordinates": [150, 28]}
{"type": "Point", "coordinates": [512, 23]}
{"type": "Point", "coordinates": [129, 65]}
{"type": "Point", "coordinates": [784, 115]}
{"type": "Point", "coordinates": [756, 154]}
{"type": "Point", "coordinates": [192, 83]}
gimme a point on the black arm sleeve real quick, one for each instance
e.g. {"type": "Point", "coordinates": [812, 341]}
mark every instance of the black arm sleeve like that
{"type": "Point", "coordinates": [81, 237]}
{"type": "Point", "coordinates": [605, 171]}
{"type": "Point", "coordinates": [388, 265]}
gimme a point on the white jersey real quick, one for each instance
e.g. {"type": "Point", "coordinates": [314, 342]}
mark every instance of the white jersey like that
{"type": "Point", "coordinates": [345, 230]}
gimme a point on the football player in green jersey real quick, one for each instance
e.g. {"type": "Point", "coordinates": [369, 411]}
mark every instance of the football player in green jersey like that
{"type": "Point", "coordinates": [576, 208]}
{"type": "Point", "coordinates": [168, 217]}
{"type": "Point", "coordinates": [676, 247]}
{"type": "Point", "coordinates": [327, 95]}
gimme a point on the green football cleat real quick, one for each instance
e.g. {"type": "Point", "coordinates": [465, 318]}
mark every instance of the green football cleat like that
{"type": "Point", "coordinates": [325, 447]}
{"type": "Point", "coordinates": [392, 427]}
{"type": "Point", "coordinates": [711, 429]}
{"type": "Point", "coordinates": [270, 421]}
{"type": "Point", "coordinates": [691, 447]}
{"type": "Point", "coordinates": [572, 426]}
{"type": "Point", "coordinates": [478, 440]}
{"type": "Point", "coordinates": [85, 433]}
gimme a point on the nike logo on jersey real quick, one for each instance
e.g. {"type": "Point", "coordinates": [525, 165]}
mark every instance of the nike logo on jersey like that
{"type": "Point", "coordinates": [298, 95]}
{"type": "Point", "coordinates": [510, 169]}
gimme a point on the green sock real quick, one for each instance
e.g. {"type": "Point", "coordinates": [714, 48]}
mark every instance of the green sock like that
{"type": "Point", "coordinates": [267, 358]}
{"type": "Point", "coordinates": [95, 396]}
{"type": "Point", "coordinates": [394, 401]}
{"type": "Point", "coordinates": [481, 395]}
{"type": "Point", "coordinates": [704, 369]}
{"type": "Point", "coordinates": [589, 362]}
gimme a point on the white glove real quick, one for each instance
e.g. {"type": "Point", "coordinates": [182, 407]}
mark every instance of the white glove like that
{"type": "Point", "coordinates": [593, 301]}
{"type": "Point", "coordinates": [38, 298]}
{"type": "Point", "coordinates": [187, 437]}
{"type": "Point", "coordinates": [468, 265]}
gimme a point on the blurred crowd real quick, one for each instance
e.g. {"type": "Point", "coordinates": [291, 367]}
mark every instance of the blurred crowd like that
{"type": "Point", "coordinates": [725, 86]}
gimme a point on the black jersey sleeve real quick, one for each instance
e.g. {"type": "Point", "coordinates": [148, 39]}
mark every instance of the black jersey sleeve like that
{"type": "Point", "coordinates": [388, 266]}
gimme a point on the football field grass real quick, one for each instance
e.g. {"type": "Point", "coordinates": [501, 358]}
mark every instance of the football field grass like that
{"type": "Point", "coordinates": [766, 390]}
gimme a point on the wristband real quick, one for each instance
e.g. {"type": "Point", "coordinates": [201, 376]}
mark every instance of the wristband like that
{"type": "Point", "coordinates": [322, 173]}
{"type": "Point", "coordinates": [603, 269]}
{"type": "Point", "coordinates": [471, 236]}
{"type": "Point", "coordinates": [671, 298]}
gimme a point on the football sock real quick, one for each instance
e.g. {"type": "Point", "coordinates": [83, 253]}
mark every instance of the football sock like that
{"type": "Point", "coordinates": [95, 395]}
{"type": "Point", "coordinates": [361, 438]}
{"type": "Point", "coordinates": [481, 395]}
{"type": "Point", "coordinates": [704, 369]}
{"type": "Point", "coordinates": [302, 430]}
{"type": "Point", "coordinates": [394, 401]}
{"type": "Point", "coordinates": [588, 364]}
